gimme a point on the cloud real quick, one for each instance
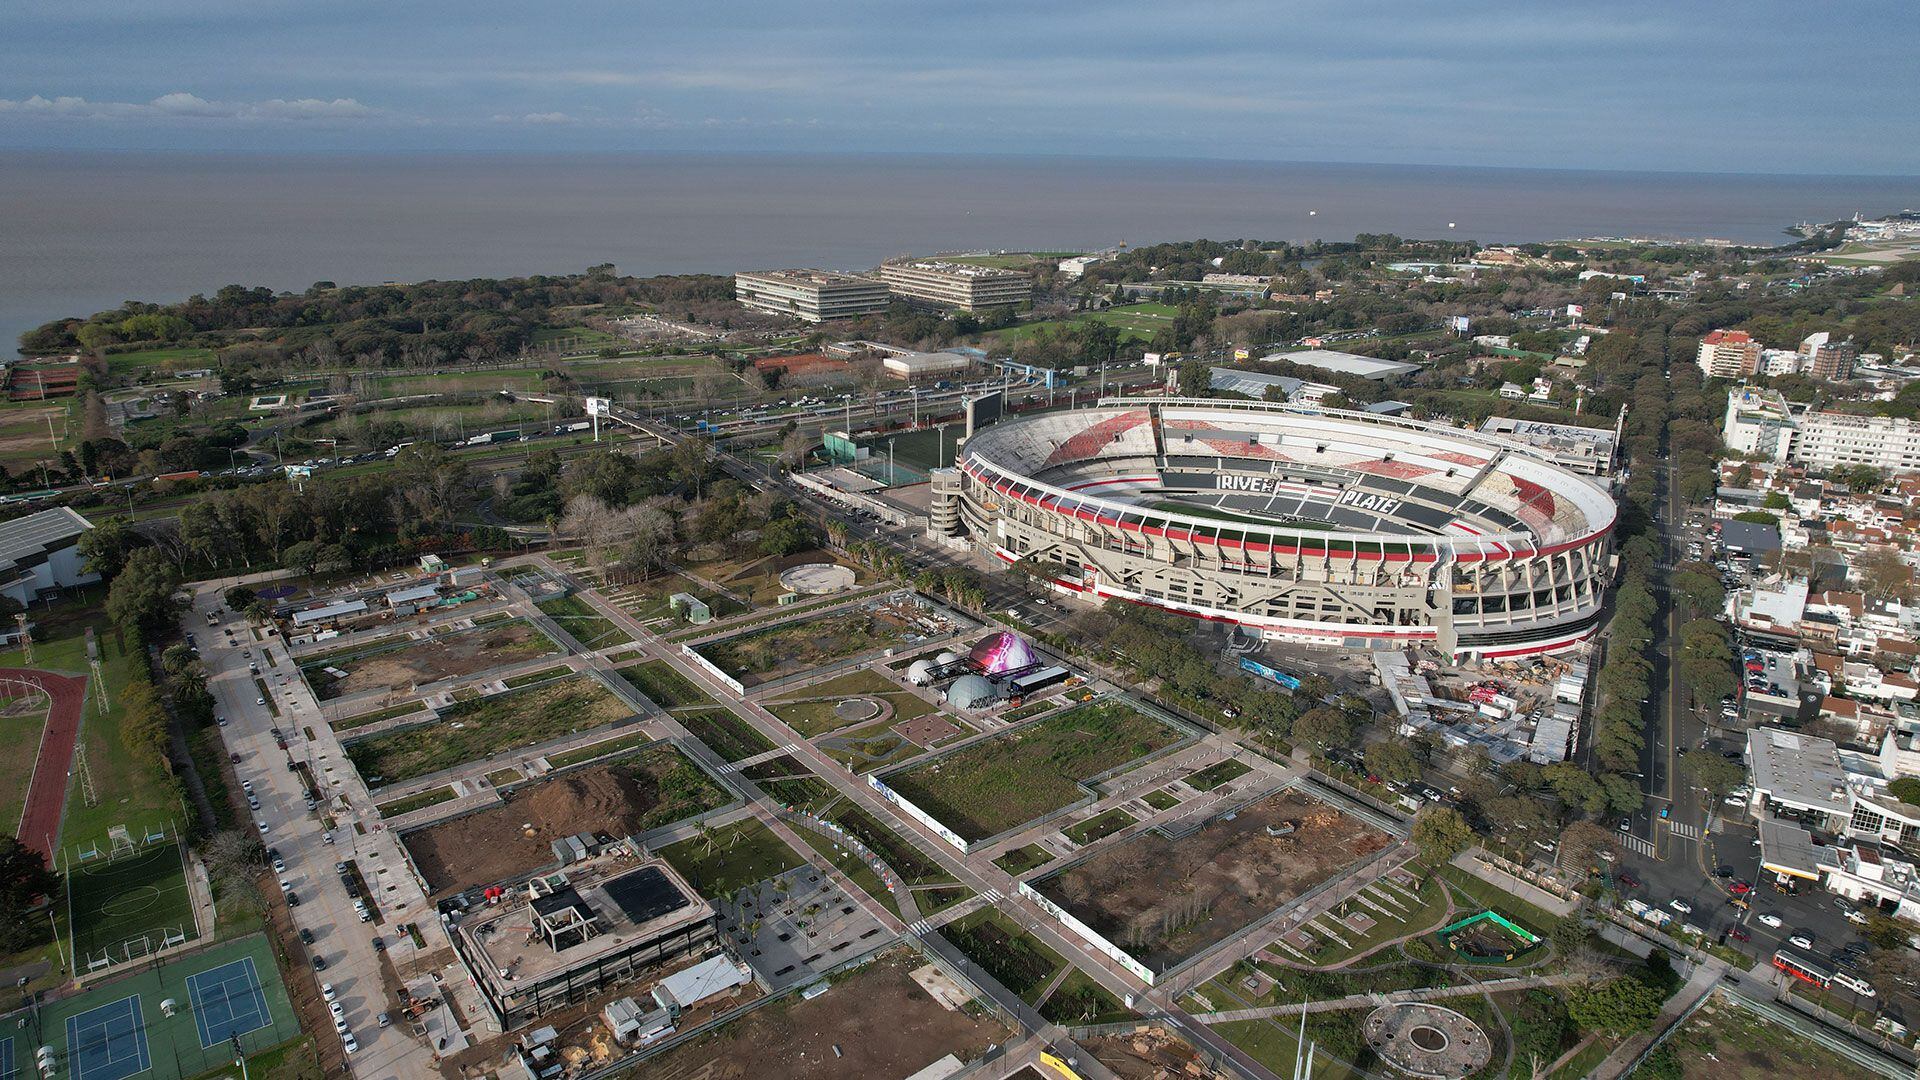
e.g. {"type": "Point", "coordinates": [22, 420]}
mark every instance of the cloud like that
{"type": "Point", "coordinates": [183, 106]}
{"type": "Point", "coordinates": [545, 119]}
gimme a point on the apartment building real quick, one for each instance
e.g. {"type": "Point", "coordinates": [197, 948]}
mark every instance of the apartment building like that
{"type": "Point", "coordinates": [1833, 360]}
{"type": "Point", "coordinates": [811, 295]}
{"type": "Point", "coordinates": [1729, 354]}
{"type": "Point", "coordinates": [956, 285]}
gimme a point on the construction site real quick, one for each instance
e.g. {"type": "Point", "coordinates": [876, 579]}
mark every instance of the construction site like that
{"type": "Point", "coordinates": [516, 838]}
{"type": "Point", "coordinates": [1166, 897]}
{"type": "Point", "coordinates": [406, 664]}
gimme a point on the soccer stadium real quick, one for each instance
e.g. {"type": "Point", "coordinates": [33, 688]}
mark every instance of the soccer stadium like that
{"type": "Point", "coordinates": [1310, 525]}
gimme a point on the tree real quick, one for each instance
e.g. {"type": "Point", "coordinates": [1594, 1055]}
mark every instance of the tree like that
{"type": "Point", "coordinates": [1906, 789]}
{"type": "Point", "coordinates": [25, 882]}
{"type": "Point", "coordinates": [1713, 772]}
{"type": "Point", "coordinates": [1440, 833]}
{"type": "Point", "coordinates": [104, 549]}
{"type": "Point", "coordinates": [786, 535]}
{"type": "Point", "coordinates": [1324, 726]}
{"type": "Point", "coordinates": [1618, 1007]}
{"type": "Point", "coordinates": [141, 598]}
{"type": "Point", "coordinates": [1394, 760]}
{"type": "Point", "coordinates": [238, 597]}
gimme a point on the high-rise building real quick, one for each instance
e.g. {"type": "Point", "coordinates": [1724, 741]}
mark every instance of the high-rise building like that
{"type": "Point", "coordinates": [812, 295]}
{"type": "Point", "coordinates": [1762, 423]}
{"type": "Point", "coordinates": [1833, 360]}
{"type": "Point", "coordinates": [956, 285]}
{"type": "Point", "coordinates": [1729, 354]}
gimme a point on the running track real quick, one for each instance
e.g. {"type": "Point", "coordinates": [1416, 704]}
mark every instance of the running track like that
{"type": "Point", "coordinates": [47, 792]}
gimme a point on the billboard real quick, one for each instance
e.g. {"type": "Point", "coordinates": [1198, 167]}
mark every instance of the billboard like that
{"type": "Point", "coordinates": [1248, 664]}
{"type": "Point", "coordinates": [599, 406]}
{"type": "Point", "coordinates": [1574, 311]}
{"type": "Point", "coordinates": [1461, 323]}
{"type": "Point", "coordinates": [984, 410]}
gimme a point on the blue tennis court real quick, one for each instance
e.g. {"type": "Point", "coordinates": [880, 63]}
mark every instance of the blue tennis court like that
{"type": "Point", "coordinates": [227, 1001]}
{"type": "Point", "coordinates": [108, 1042]}
{"type": "Point", "coordinates": [6, 1058]}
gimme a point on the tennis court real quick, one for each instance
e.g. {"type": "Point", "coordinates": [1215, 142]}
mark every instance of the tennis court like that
{"type": "Point", "coordinates": [108, 1042]}
{"type": "Point", "coordinates": [6, 1058]}
{"type": "Point", "coordinates": [227, 1001]}
{"type": "Point", "coordinates": [230, 991]}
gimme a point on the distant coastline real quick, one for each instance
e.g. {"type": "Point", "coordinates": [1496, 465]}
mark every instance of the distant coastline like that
{"type": "Point", "coordinates": [87, 230]}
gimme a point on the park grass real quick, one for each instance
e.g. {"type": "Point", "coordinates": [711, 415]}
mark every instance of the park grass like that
{"type": "Point", "coordinates": [543, 675]}
{"type": "Point", "coordinates": [1080, 1000]}
{"type": "Point", "coordinates": [486, 726]}
{"type": "Point", "coordinates": [366, 719]}
{"type": "Point", "coordinates": [853, 866]}
{"type": "Point", "coordinates": [663, 684]}
{"type": "Point", "coordinates": [741, 854]}
{"type": "Point", "coordinates": [938, 898]}
{"type": "Point", "coordinates": [1027, 772]}
{"type": "Point", "coordinates": [752, 656]}
{"type": "Point", "coordinates": [891, 848]}
{"type": "Point", "coordinates": [1218, 774]}
{"type": "Point", "coordinates": [1162, 799]}
{"type": "Point", "coordinates": [1538, 920]}
{"type": "Point", "coordinates": [858, 683]}
{"type": "Point", "coordinates": [502, 777]}
{"type": "Point", "coordinates": [20, 736]}
{"type": "Point", "coordinates": [578, 618]}
{"type": "Point", "coordinates": [142, 361]}
{"type": "Point", "coordinates": [725, 733]}
{"type": "Point", "coordinates": [128, 791]}
{"type": "Point", "coordinates": [1022, 859]}
{"type": "Point", "coordinates": [1000, 948]}
{"type": "Point", "coordinates": [1427, 916]}
{"type": "Point", "coordinates": [1096, 828]}
{"type": "Point", "coordinates": [419, 800]}
{"type": "Point", "coordinates": [582, 754]}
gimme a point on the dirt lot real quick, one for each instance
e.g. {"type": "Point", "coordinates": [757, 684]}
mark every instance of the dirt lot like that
{"type": "Point", "coordinates": [1722, 1041]}
{"type": "Point", "coordinates": [884, 1024]}
{"type": "Point", "coordinates": [465, 652]}
{"type": "Point", "coordinates": [631, 795]}
{"type": "Point", "coordinates": [1166, 900]}
{"type": "Point", "coordinates": [1151, 1054]}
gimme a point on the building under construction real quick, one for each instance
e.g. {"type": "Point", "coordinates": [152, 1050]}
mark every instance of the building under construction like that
{"type": "Point", "coordinates": [563, 938]}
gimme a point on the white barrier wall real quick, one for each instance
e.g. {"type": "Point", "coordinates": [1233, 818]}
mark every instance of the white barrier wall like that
{"type": "Point", "coordinates": [1107, 948]}
{"type": "Point", "coordinates": [726, 680]}
{"type": "Point", "coordinates": [916, 813]}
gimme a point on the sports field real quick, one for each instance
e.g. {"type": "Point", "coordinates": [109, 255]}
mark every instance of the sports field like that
{"type": "Point", "coordinates": [118, 1030]}
{"type": "Point", "coordinates": [130, 906]}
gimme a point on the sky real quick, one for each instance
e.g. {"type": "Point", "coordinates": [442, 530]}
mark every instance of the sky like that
{"type": "Point", "coordinates": [1755, 87]}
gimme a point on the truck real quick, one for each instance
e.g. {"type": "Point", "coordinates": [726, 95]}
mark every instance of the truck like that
{"type": "Point", "coordinates": [481, 439]}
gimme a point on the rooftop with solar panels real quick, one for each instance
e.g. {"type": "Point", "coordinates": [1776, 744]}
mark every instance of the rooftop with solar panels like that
{"type": "Point", "coordinates": [1279, 466]}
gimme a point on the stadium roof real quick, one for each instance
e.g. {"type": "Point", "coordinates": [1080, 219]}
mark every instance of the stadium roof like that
{"type": "Point", "coordinates": [1342, 363]}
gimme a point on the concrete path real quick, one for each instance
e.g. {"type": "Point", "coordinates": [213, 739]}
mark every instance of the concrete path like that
{"type": "Point", "coordinates": [1355, 1001]}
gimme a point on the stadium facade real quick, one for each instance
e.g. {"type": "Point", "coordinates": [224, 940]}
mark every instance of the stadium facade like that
{"type": "Point", "coordinates": [1305, 524]}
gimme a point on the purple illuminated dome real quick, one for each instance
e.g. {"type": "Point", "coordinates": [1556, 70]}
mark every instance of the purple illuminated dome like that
{"type": "Point", "coordinates": [1003, 652]}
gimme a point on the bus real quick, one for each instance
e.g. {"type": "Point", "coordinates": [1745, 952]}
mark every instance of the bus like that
{"type": "Point", "coordinates": [1803, 969]}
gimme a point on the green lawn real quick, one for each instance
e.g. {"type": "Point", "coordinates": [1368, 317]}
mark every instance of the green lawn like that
{"type": "Point", "coordinates": [472, 730]}
{"type": "Point", "coordinates": [1015, 958]}
{"type": "Point", "coordinates": [791, 648]}
{"type": "Point", "coordinates": [1162, 799]}
{"type": "Point", "coordinates": [892, 849]}
{"type": "Point", "coordinates": [663, 684]}
{"type": "Point", "coordinates": [725, 733]}
{"type": "Point", "coordinates": [587, 626]}
{"type": "Point", "coordinates": [1080, 1000]}
{"type": "Point", "coordinates": [417, 801]}
{"type": "Point", "coordinates": [543, 675]}
{"type": "Point", "coordinates": [167, 360]}
{"type": "Point", "coordinates": [1095, 828]}
{"type": "Point", "coordinates": [1022, 859]}
{"type": "Point", "coordinates": [1029, 771]}
{"type": "Point", "coordinates": [738, 855]}
{"type": "Point", "coordinates": [601, 749]}
{"type": "Point", "coordinates": [1217, 774]}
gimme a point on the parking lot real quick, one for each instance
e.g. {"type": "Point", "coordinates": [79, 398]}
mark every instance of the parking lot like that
{"type": "Point", "coordinates": [796, 925]}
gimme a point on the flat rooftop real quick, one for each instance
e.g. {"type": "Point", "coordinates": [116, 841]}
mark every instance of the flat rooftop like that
{"type": "Point", "coordinates": [1802, 771]}
{"type": "Point", "coordinates": [630, 903]}
{"type": "Point", "coordinates": [809, 277]}
{"type": "Point", "coordinates": [1343, 363]}
{"type": "Point", "coordinates": [940, 266]}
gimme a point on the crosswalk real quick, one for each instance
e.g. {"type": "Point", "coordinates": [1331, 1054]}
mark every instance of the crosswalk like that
{"type": "Point", "coordinates": [1683, 830]}
{"type": "Point", "coordinates": [921, 927]}
{"type": "Point", "coordinates": [1638, 846]}
{"type": "Point", "coordinates": [991, 896]}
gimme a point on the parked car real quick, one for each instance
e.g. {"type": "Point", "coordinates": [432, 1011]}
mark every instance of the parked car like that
{"type": "Point", "coordinates": [306, 936]}
{"type": "Point", "coordinates": [1739, 933]}
{"type": "Point", "coordinates": [1680, 906]}
{"type": "Point", "coordinates": [1801, 941]}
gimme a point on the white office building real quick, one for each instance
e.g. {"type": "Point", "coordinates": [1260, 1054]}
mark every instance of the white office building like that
{"type": "Point", "coordinates": [811, 295]}
{"type": "Point", "coordinates": [956, 285]}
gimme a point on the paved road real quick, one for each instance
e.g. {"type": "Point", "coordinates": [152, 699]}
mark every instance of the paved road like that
{"type": "Point", "coordinates": [341, 939]}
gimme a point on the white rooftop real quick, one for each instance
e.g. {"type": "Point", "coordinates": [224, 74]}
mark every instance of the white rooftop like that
{"type": "Point", "coordinates": [27, 539]}
{"type": "Point", "coordinates": [1801, 771]}
{"type": "Point", "coordinates": [1343, 363]}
